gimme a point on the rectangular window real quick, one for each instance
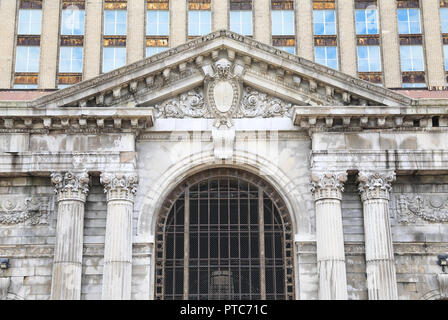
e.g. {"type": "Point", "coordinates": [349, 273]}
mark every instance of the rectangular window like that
{"type": "Point", "coordinates": [199, 22]}
{"type": "Point", "coordinates": [30, 21]}
{"type": "Point", "coordinates": [115, 22]}
{"type": "Point", "coordinates": [283, 22]}
{"type": "Point", "coordinates": [369, 59]}
{"type": "Point", "coordinates": [27, 59]}
{"type": "Point", "coordinates": [444, 19]}
{"type": "Point", "coordinates": [409, 21]}
{"type": "Point", "coordinates": [328, 56]}
{"type": "Point", "coordinates": [324, 22]}
{"type": "Point", "coordinates": [157, 22]}
{"type": "Point", "coordinates": [412, 58]}
{"type": "Point", "coordinates": [72, 21]}
{"type": "Point", "coordinates": [199, 17]}
{"type": "Point", "coordinates": [113, 58]}
{"type": "Point", "coordinates": [241, 22]}
{"type": "Point", "coordinates": [366, 21]}
{"type": "Point", "coordinates": [70, 59]}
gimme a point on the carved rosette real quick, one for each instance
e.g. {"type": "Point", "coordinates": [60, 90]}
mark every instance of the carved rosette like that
{"type": "Point", "coordinates": [71, 186]}
{"type": "Point", "coordinates": [328, 185]}
{"type": "Point", "coordinates": [119, 186]}
{"type": "Point", "coordinates": [375, 185]}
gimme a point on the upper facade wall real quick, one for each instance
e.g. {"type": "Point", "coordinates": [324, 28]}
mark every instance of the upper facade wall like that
{"type": "Point", "coordinates": [64, 53]}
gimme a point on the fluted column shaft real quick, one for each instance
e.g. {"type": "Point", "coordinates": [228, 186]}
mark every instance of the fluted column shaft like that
{"type": "Point", "coordinates": [117, 272]}
{"type": "Point", "coordinates": [71, 192]}
{"type": "Point", "coordinates": [381, 277]}
{"type": "Point", "coordinates": [327, 189]}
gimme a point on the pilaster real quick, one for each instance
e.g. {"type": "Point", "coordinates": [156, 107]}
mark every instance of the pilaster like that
{"type": "Point", "coordinates": [71, 189]}
{"type": "Point", "coordinates": [120, 189]}
{"type": "Point", "coordinates": [327, 189]}
{"type": "Point", "coordinates": [7, 34]}
{"type": "Point", "coordinates": [374, 188]}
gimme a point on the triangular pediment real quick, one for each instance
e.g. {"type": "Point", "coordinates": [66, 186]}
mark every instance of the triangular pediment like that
{"type": "Point", "coordinates": [186, 68]}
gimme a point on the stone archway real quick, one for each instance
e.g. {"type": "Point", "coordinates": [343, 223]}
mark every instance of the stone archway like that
{"type": "Point", "coordinates": [224, 233]}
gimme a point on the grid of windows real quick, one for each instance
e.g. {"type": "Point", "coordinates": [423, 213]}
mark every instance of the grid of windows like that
{"type": "Point", "coordinates": [29, 27]}
{"type": "Point", "coordinates": [29, 22]}
{"type": "Point", "coordinates": [283, 25]}
{"type": "Point", "coordinates": [71, 43]}
{"type": "Point", "coordinates": [157, 26]}
{"type": "Point", "coordinates": [114, 40]}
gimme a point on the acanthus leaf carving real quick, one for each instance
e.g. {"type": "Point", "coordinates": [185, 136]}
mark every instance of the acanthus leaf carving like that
{"type": "Point", "coordinates": [374, 185]}
{"type": "Point", "coordinates": [325, 185]}
{"type": "Point", "coordinates": [119, 186]}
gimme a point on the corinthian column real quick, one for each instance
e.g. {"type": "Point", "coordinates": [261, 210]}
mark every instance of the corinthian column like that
{"type": "Point", "coordinates": [327, 189]}
{"type": "Point", "coordinates": [71, 190]}
{"type": "Point", "coordinates": [120, 189]}
{"type": "Point", "coordinates": [381, 279]}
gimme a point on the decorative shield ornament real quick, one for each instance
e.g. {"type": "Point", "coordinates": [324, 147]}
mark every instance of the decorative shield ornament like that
{"type": "Point", "coordinates": [223, 93]}
{"type": "Point", "coordinates": [223, 97]}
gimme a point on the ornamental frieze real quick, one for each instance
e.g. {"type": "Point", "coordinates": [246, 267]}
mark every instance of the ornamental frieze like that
{"type": "Point", "coordinates": [415, 208]}
{"type": "Point", "coordinates": [22, 209]}
{"type": "Point", "coordinates": [254, 104]}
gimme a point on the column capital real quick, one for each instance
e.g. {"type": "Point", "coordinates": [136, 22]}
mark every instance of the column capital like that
{"type": "Point", "coordinates": [328, 185]}
{"type": "Point", "coordinates": [119, 186]}
{"type": "Point", "coordinates": [375, 184]}
{"type": "Point", "coordinates": [71, 185]}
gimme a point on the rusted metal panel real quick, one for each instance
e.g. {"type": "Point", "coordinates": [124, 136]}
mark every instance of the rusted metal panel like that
{"type": "Point", "coordinates": [72, 41]}
{"type": "Point", "coordinates": [325, 41]}
{"type": "Point", "coordinates": [157, 41]}
{"type": "Point", "coordinates": [282, 5]}
{"type": "Point", "coordinates": [114, 41]}
{"type": "Point", "coordinates": [115, 5]}
{"type": "Point", "coordinates": [283, 41]}
{"type": "Point", "coordinates": [25, 78]}
{"type": "Point", "coordinates": [199, 4]}
{"type": "Point", "coordinates": [408, 4]}
{"type": "Point", "coordinates": [411, 39]}
{"type": "Point", "coordinates": [414, 77]}
{"type": "Point", "coordinates": [323, 4]}
{"type": "Point", "coordinates": [80, 4]}
{"type": "Point", "coordinates": [30, 4]}
{"type": "Point", "coordinates": [28, 40]}
{"type": "Point", "coordinates": [368, 40]}
{"type": "Point", "coordinates": [240, 4]}
{"type": "Point", "coordinates": [364, 4]}
{"type": "Point", "coordinates": [69, 78]}
{"type": "Point", "coordinates": [374, 77]}
{"type": "Point", "coordinates": [158, 5]}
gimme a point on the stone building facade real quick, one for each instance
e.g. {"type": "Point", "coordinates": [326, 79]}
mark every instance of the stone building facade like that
{"type": "Point", "coordinates": [222, 168]}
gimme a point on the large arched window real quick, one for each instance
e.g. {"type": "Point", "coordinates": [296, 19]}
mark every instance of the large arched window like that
{"type": "Point", "coordinates": [224, 234]}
